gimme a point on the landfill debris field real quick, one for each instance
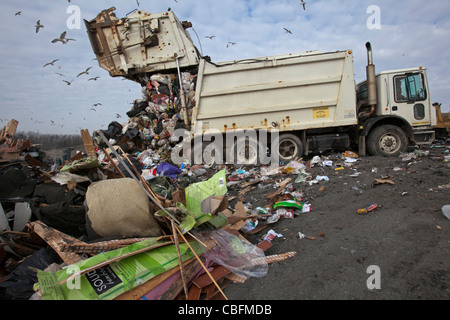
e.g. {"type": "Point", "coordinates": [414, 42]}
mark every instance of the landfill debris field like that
{"type": "Point", "coordinates": [336, 225]}
{"type": "Point", "coordinates": [125, 216]}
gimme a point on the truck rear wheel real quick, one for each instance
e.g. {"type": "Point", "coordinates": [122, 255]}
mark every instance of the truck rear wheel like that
{"type": "Point", "coordinates": [290, 147]}
{"type": "Point", "coordinates": [387, 141]}
{"type": "Point", "coordinates": [244, 153]}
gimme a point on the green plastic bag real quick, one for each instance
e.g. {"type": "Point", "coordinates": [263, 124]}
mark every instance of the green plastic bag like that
{"type": "Point", "coordinates": [110, 281]}
{"type": "Point", "coordinates": [199, 194]}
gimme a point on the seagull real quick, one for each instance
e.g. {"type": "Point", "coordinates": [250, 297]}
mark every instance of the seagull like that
{"type": "Point", "coordinates": [287, 30]}
{"type": "Point", "coordinates": [210, 37]}
{"type": "Point", "coordinates": [18, 13]}
{"type": "Point", "coordinates": [94, 79]}
{"type": "Point", "coordinates": [84, 72]}
{"type": "Point", "coordinates": [303, 4]}
{"type": "Point", "coordinates": [232, 43]}
{"type": "Point", "coordinates": [138, 4]}
{"type": "Point", "coordinates": [61, 38]}
{"type": "Point", "coordinates": [97, 104]}
{"type": "Point", "coordinates": [69, 39]}
{"type": "Point", "coordinates": [68, 83]}
{"type": "Point", "coordinates": [60, 74]}
{"type": "Point", "coordinates": [118, 116]}
{"type": "Point", "coordinates": [51, 63]}
{"type": "Point", "coordinates": [93, 109]}
{"type": "Point", "coordinates": [38, 26]}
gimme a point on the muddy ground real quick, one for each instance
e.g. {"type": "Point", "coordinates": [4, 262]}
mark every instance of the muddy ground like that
{"type": "Point", "coordinates": [408, 237]}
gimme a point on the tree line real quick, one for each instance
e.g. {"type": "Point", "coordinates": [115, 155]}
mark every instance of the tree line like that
{"type": "Point", "coordinates": [50, 141]}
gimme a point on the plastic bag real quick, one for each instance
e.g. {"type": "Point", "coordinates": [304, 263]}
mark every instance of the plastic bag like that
{"type": "Point", "coordinates": [241, 258]}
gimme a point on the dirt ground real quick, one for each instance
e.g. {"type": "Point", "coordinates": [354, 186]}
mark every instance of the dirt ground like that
{"type": "Point", "coordinates": [407, 238]}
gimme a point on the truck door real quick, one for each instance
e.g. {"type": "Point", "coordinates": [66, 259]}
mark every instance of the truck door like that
{"type": "Point", "coordinates": [411, 98]}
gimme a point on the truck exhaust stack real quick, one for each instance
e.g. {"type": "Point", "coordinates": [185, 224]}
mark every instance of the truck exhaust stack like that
{"type": "Point", "coordinates": [371, 82]}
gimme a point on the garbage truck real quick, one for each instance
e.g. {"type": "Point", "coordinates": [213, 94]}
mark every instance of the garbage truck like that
{"type": "Point", "coordinates": [310, 99]}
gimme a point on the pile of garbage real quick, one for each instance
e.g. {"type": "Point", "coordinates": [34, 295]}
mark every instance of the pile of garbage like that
{"type": "Point", "coordinates": [164, 108]}
{"type": "Point", "coordinates": [108, 224]}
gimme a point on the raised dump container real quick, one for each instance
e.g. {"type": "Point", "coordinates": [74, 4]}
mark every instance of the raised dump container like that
{"type": "Point", "coordinates": [140, 43]}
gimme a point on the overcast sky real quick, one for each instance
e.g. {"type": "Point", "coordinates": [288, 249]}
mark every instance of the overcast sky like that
{"type": "Point", "coordinates": [410, 33]}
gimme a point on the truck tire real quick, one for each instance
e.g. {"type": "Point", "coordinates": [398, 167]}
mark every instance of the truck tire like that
{"type": "Point", "coordinates": [244, 154]}
{"type": "Point", "coordinates": [387, 141]}
{"type": "Point", "coordinates": [290, 147]}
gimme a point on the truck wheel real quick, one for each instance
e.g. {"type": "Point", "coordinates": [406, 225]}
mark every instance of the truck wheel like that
{"type": "Point", "coordinates": [290, 147]}
{"type": "Point", "coordinates": [244, 153]}
{"type": "Point", "coordinates": [387, 141]}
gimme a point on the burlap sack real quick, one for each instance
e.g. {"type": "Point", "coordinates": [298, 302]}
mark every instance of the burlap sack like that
{"type": "Point", "coordinates": [120, 208]}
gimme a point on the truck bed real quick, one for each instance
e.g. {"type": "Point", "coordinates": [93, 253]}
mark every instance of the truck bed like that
{"type": "Point", "coordinates": [286, 92]}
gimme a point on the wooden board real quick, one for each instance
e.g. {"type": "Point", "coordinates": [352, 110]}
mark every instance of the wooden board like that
{"type": "Point", "coordinates": [88, 144]}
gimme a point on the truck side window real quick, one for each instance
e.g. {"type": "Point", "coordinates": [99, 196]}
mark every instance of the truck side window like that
{"type": "Point", "coordinates": [409, 88]}
{"type": "Point", "coordinates": [401, 95]}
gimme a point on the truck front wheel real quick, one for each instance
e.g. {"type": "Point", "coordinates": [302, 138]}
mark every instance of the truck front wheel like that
{"type": "Point", "coordinates": [387, 141]}
{"type": "Point", "coordinates": [290, 146]}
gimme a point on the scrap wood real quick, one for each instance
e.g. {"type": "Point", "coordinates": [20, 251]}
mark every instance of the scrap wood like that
{"type": "Point", "coordinates": [282, 185]}
{"type": "Point", "coordinates": [98, 247]}
{"type": "Point", "coordinates": [140, 291]}
{"type": "Point", "coordinates": [180, 260]}
{"type": "Point", "coordinates": [383, 180]}
{"type": "Point", "coordinates": [217, 273]}
{"type": "Point", "coordinates": [111, 161]}
{"type": "Point", "coordinates": [56, 239]}
{"type": "Point", "coordinates": [88, 144]}
{"type": "Point", "coordinates": [9, 130]}
{"type": "Point", "coordinates": [194, 293]}
{"type": "Point", "coordinates": [177, 286]}
{"type": "Point", "coordinates": [107, 262]}
{"type": "Point", "coordinates": [200, 261]}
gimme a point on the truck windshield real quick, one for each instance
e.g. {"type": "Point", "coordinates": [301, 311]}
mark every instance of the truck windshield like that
{"type": "Point", "coordinates": [409, 88]}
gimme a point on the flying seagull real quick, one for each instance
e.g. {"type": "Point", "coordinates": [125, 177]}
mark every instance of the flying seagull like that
{"type": "Point", "coordinates": [84, 72]}
{"type": "Point", "coordinates": [118, 116]}
{"type": "Point", "coordinates": [94, 79]}
{"type": "Point", "coordinates": [287, 30]}
{"type": "Point", "coordinates": [61, 38]}
{"type": "Point", "coordinates": [51, 63]}
{"type": "Point", "coordinates": [210, 37]}
{"type": "Point", "coordinates": [38, 26]}
{"type": "Point", "coordinates": [303, 4]}
{"type": "Point", "coordinates": [68, 39]}
{"type": "Point", "coordinates": [97, 104]}
{"type": "Point", "coordinates": [18, 13]}
{"type": "Point", "coordinates": [68, 83]}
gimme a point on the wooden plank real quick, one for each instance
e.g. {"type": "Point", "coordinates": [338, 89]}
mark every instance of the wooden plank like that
{"type": "Point", "coordinates": [56, 239]}
{"type": "Point", "coordinates": [204, 280]}
{"type": "Point", "coordinates": [177, 287]}
{"type": "Point", "coordinates": [140, 291]}
{"type": "Point", "coordinates": [282, 185]}
{"type": "Point", "coordinates": [88, 143]}
{"type": "Point", "coordinates": [194, 293]}
{"type": "Point", "coordinates": [10, 130]}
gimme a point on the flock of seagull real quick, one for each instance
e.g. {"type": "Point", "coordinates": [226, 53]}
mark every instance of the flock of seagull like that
{"type": "Point", "coordinates": [64, 40]}
{"type": "Point", "coordinates": [303, 3]}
